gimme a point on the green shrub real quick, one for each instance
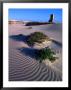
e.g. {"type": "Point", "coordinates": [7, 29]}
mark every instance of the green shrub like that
{"type": "Point", "coordinates": [45, 53]}
{"type": "Point", "coordinates": [38, 37]}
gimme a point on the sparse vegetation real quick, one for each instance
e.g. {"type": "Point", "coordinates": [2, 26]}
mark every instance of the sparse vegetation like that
{"type": "Point", "coordinates": [38, 37]}
{"type": "Point", "coordinates": [42, 54]}
{"type": "Point", "coordinates": [45, 53]}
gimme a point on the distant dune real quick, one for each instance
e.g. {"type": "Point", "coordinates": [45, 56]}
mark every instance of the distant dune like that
{"type": "Point", "coordinates": [23, 65]}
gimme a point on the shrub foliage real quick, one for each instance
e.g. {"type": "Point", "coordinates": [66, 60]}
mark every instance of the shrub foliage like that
{"type": "Point", "coordinates": [38, 37]}
{"type": "Point", "coordinates": [45, 53]}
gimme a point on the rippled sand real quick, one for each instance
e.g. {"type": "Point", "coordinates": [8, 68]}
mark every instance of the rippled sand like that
{"type": "Point", "coordinates": [22, 64]}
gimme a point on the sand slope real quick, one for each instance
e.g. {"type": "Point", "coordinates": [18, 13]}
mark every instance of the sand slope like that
{"type": "Point", "coordinates": [22, 64]}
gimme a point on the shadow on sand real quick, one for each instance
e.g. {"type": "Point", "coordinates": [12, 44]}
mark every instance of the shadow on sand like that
{"type": "Point", "coordinates": [31, 52]}
{"type": "Point", "coordinates": [20, 37]}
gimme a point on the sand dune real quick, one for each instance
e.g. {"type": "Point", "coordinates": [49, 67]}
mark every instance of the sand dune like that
{"type": "Point", "coordinates": [23, 65]}
{"type": "Point", "coordinates": [25, 68]}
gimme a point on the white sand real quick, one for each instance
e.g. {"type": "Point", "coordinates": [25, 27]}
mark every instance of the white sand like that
{"type": "Point", "coordinates": [15, 55]}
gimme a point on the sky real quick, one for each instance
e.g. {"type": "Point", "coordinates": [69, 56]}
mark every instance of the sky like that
{"type": "Point", "coordinates": [42, 15]}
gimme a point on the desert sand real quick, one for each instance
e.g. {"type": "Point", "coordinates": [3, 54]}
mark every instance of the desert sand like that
{"type": "Point", "coordinates": [23, 65]}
